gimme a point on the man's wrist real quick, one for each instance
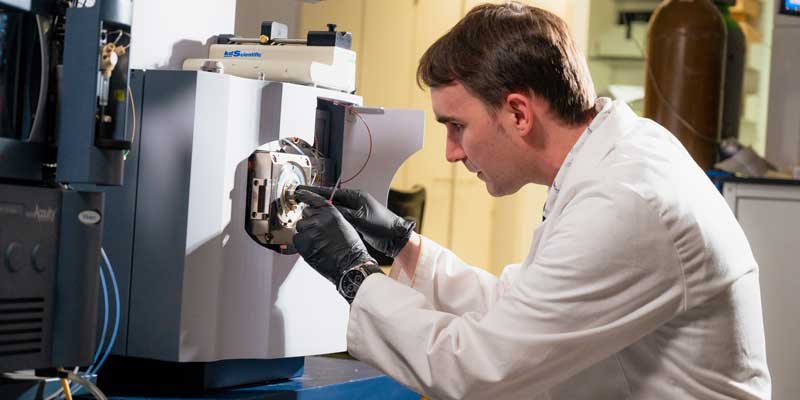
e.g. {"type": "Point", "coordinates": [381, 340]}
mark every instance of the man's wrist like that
{"type": "Point", "coordinates": [352, 278]}
{"type": "Point", "coordinates": [405, 264]}
{"type": "Point", "coordinates": [403, 230]}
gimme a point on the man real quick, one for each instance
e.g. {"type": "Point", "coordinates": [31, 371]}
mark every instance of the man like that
{"type": "Point", "coordinates": [639, 283]}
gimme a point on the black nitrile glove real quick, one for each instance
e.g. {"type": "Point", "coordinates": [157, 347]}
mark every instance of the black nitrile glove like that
{"type": "Point", "coordinates": [381, 228]}
{"type": "Point", "coordinates": [325, 240]}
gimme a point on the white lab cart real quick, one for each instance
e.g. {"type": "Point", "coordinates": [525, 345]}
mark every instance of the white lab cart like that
{"type": "Point", "coordinates": [769, 212]}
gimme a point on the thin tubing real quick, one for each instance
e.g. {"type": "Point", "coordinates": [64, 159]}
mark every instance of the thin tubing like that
{"type": "Point", "coordinates": [38, 119]}
{"type": "Point", "coordinates": [88, 385]}
{"type": "Point", "coordinates": [369, 154]}
{"type": "Point", "coordinates": [340, 182]}
{"type": "Point", "coordinates": [133, 121]}
{"type": "Point", "coordinates": [65, 388]}
{"type": "Point", "coordinates": [99, 350]}
{"type": "Point", "coordinates": [116, 310]}
{"type": "Point", "coordinates": [294, 146]}
{"type": "Point", "coordinates": [651, 77]}
{"type": "Point", "coordinates": [105, 317]}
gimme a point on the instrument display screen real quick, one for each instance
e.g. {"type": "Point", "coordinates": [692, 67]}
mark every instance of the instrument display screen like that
{"type": "Point", "coordinates": [790, 7]}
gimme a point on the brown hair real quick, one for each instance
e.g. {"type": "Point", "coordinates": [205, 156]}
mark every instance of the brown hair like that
{"type": "Point", "coordinates": [496, 50]}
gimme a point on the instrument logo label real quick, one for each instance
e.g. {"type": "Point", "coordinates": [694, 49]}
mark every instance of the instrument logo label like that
{"type": "Point", "coordinates": [89, 217]}
{"type": "Point", "coordinates": [42, 214]}
{"type": "Point", "coordinates": [242, 54]}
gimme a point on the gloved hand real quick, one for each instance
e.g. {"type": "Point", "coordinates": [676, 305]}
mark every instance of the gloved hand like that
{"type": "Point", "coordinates": [381, 228]}
{"type": "Point", "coordinates": [325, 240]}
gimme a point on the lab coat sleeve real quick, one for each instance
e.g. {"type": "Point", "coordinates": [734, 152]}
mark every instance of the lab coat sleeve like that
{"type": "Point", "coordinates": [606, 275]}
{"type": "Point", "coordinates": [449, 284]}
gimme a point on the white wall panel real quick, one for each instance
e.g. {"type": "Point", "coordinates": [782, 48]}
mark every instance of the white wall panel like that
{"type": "Point", "coordinates": [167, 32]}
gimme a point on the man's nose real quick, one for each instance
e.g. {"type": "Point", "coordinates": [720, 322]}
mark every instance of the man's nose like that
{"type": "Point", "coordinates": [453, 152]}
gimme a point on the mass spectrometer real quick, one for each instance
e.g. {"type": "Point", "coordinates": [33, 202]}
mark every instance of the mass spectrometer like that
{"type": "Point", "coordinates": [201, 233]}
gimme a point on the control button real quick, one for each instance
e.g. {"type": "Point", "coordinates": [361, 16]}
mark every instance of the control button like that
{"type": "Point", "coordinates": [15, 260]}
{"type": "Point", "coordinates": [37, 259]}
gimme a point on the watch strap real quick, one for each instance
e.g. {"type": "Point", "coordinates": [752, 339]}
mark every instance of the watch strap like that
{"type": "Point", "coordinates": [353, 277]}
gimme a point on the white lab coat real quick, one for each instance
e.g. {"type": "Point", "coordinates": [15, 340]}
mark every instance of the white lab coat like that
{"type": "Point", "coordinates": [640, 284]}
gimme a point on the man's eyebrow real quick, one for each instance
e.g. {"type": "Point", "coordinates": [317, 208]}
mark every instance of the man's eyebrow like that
{"type": "Point", "coordinates": [443, 119]}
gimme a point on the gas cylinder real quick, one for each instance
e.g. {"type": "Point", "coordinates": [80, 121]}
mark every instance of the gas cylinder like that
{"type": "Point", "coordinates": [734, 72]}
{"type": "Point", "coordinates": [685, 71]}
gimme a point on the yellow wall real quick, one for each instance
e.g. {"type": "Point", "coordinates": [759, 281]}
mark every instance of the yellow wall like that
{"type": "Point", "coordinates": [389, 37]}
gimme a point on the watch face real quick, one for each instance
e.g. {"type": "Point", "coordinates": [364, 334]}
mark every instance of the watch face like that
{"type": "Point", "coordinates": [350, 282]}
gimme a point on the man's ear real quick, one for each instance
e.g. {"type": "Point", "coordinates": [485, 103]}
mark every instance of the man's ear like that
{"type": "Point", "coordinates": [521, 115]}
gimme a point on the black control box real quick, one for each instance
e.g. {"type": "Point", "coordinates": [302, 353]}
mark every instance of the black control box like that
{"type": "Point", "coordinates": [330, 38]}
{"type": "Point", "coordinates": [49, 260]}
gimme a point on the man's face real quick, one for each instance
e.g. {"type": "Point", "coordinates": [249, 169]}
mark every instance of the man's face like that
{"type": "Point", "coordinates": [478, 139]}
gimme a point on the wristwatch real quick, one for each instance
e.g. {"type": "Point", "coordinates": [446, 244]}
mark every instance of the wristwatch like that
{"type": "Point", "coordinates": [352, 279]}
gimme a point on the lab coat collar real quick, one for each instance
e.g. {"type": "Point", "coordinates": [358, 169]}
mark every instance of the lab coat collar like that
{"type": "Point", "coordinates": [619, 122]}
{"type": "Point", "coordinates": [614, 120]}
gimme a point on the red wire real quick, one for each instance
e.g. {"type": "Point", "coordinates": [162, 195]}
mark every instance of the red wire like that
{"type": "Point", "coordinates": [369, 154]}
